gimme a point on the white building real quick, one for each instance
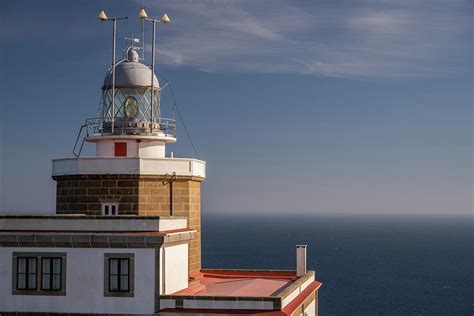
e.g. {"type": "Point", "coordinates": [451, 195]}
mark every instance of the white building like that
{"type": "Point", "coordinates": [126, 235]}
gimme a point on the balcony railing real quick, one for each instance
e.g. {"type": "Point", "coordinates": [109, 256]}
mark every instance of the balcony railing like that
{"type": "Point", "coordinates": [163, 126]}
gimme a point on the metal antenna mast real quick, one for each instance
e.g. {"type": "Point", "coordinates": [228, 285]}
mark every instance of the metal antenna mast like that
{"type": "Point", "coordinates": [164, 19]}
{"type": "Point", "coordinates": [143, 31]}
{"type": "Point", "coordinates": [103, 17]}
{"type": "Point", "coordinates": [152, 76]}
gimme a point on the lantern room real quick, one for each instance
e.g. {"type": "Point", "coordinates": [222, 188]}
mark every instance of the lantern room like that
{"type": "Point", "coordinates": [136, 108]}
{"type": "Point", "coordinates": [130, 125]}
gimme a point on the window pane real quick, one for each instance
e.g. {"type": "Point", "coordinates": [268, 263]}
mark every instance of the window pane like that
{"type": "Point", "coordinates": [124, 283]}
{"type": "Point", "coordinates": [21, 282]}
{"type": "Point", "coordinates": [106, 210]}
{"type": "Point", "coordinates": [32, 281]}
{"type": "Point", "coordinates": [21, 265]}
{"type": "Point", "coordinates": [46, 265]}
{"type": "Point", "coordinates": [32, 265]}
{"type": "Point", "coordinates": [56, 282]}
{"type": "Point", "coordinates": [57, 265]}
{"type": "Point", "coordinates": [113, 283]}
{"type": "Point", "coordinates": [45, 282]}
{"type": "Point", "coordinates": [113, 266]}
{"type": "Point", "coordinates": [124, 267]}
{"type": "Point", "coordinates": [113, 209]}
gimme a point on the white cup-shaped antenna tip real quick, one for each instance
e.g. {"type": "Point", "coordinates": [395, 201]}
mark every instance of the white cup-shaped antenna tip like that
{"type": "Point", "coordinates": [102, 16]}
{"type": "Point", "coordinates": [142, 14]}
{"type": "Point", "coordinates": [165, 18]}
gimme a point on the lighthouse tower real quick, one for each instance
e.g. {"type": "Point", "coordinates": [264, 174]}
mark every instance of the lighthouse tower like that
{"type": "Point", "coordinates": [130, 173]}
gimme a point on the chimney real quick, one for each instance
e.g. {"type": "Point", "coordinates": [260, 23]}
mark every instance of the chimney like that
{"type": "Point", "coordinates": [300, 260]}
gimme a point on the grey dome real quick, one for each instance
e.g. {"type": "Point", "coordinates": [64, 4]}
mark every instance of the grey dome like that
{"type": "Point", "coordinates": [129, 74]}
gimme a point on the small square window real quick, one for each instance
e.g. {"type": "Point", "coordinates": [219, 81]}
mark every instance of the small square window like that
{"type": "Point", "coordinates": [110, 208]}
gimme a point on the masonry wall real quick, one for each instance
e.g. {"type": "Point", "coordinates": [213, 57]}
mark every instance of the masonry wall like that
{"type": "Point", "coordinates": [136, 195]}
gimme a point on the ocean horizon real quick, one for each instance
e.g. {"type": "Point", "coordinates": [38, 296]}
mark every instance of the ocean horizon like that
{"type": "Point", "coordinates": [368, 264]}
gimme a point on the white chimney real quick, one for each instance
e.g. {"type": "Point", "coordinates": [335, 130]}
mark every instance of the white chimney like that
{"type": "Point", "coordinates": [300, 260]}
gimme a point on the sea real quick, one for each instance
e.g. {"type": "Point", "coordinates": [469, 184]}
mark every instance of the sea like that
{"type": "Point", "coordinates": [368, 264]}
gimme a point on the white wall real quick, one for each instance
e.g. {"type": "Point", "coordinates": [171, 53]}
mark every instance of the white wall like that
{"type": "Point", "coordinates": [310, 310]}
{"type": "Point", "coordinates": [154, 149]}
{"type": "Point", "coordinates": [129, 165]}
{"type": "Point", "coordinates": [106, 148]}
{"type": "Point", "coordinates": [85, 223]}
{"type": "Point", "coordinates": [144, 149]}
{"type": "Point", "coordinates": [175, 268]}
{"type": "Point", "coordinates": [84, 284]}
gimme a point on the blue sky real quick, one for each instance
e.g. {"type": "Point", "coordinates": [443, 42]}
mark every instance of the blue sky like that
{"type": "Point", "coordinates": [297, 106]}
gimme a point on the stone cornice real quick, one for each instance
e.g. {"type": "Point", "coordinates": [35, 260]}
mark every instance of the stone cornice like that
{"type": "Point", "coordinates": [92, 240]}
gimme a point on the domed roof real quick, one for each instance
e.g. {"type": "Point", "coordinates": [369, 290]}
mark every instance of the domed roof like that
{"type": "Point", "coordinates": [130, 74]}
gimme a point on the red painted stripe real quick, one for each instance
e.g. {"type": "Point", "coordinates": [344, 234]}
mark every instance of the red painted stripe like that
{"type": "Point", "coordinates": [222, 311]}
{"type": "Point", "coordinates": [294, 304]}
{"type": "Point", "coordinates": [243, 273]}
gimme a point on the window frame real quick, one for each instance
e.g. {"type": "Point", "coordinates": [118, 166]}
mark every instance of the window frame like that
{"type": "Point", "coordinates": [39, 273]}
{"type": "Point", "coordinates": [51, 273]}
{"type": "Point", "coordinates": [119, 274]}
{"type": "Point", "coordinates": [26, 273]}
{"type": "Point", "coordinates": [131, 274]}
{"type": "Point", "coordinates": [108, 206]}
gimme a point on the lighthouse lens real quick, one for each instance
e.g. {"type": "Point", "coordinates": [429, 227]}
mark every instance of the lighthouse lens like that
{"type": "Point", "coordinates": [130, 106]}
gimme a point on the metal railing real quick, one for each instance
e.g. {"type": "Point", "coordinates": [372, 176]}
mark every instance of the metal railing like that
{"type": "Point", "coordinates": [162, 126]}
{"type": "Point", "coordinates": [97, 127]}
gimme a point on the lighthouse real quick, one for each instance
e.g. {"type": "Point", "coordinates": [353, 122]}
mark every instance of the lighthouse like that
{"type": "Point", "coordinates": [126, 234]}
{"type": "Point", "coordinates": [130, 173]}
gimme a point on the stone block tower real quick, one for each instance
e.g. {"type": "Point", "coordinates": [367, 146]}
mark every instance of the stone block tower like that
{"type": "Point", "coordinates": [130, 173]}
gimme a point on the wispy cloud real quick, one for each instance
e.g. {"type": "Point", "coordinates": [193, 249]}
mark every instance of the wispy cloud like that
{"type": "Point", "coordinates": [360, 38]}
